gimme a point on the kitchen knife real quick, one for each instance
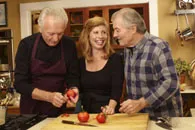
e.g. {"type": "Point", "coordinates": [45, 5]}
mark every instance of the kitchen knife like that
{"type": "Point", "coordinates": [77, 123]}
{"type": "Point", "coordinates": [164, 125]}
{"type": "Point", "coordinates": [164, 122]}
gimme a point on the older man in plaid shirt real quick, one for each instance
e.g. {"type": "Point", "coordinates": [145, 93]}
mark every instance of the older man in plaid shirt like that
{"type": "Point", "coordinates": [151, 78]}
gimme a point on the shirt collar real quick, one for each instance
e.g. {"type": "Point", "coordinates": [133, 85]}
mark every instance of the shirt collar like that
{"type": "Point", "coordinates": [142, 42]}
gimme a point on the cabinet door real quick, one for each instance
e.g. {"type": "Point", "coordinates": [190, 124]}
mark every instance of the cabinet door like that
{"type": "Point", "coordinates": [75, 24]}
{"type": "Point", "coordinates": [35, 16]}
{"type": "Point", "coordinates": [95, 11]}
{"type": "Point", "coordinates": [78, 16]}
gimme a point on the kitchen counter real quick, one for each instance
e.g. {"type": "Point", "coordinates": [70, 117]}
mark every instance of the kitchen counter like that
{"type": "Point", "coordinates": [188, 96]}
{"type": "Point", "coordinates": [41, 124]}
{"type": "Point", "coordinates": [192, 110]}
{"type": "Point", "coordinates": [178, 123]}
{"type": "Point", "coordinates": [188, 90]}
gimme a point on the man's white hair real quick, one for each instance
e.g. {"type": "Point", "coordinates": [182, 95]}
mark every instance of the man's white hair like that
{"type": "Point", "coordinates": [58, 13]}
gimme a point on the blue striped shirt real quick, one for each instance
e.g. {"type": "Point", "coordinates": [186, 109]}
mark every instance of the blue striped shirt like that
{"type": "Point", "coordinates": [150, 73]}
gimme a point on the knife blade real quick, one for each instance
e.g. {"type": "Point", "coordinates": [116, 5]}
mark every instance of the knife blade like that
{"type": "Point", "coordinates": [77, 123]}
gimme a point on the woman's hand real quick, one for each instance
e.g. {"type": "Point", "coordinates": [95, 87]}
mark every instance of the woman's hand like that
{"type": "Point", "coordinates": [71, 102]}
{"type": "Point", "coordinates": [108, 110]}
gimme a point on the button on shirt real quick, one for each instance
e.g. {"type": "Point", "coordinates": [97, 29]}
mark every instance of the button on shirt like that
{"type": "Point", "coordinates": [150, 73]}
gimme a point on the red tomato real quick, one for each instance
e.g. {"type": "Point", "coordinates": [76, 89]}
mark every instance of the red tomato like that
{"type": "Point", "coordinates": [71, 93]}
{"type": "Point", "coordinates": [65, 115]}
{"type": "Point", "coordinates": [83, 116]}
{"type": "Point", "coordinates": [101, 117]}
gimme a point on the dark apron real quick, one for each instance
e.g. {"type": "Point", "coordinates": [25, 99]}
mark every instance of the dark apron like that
{"type": "Point", "coordinates": [45, 76]}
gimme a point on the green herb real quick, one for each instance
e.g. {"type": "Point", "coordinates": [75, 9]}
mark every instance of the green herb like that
{"type": "Point", "coordinates": [181, 66]}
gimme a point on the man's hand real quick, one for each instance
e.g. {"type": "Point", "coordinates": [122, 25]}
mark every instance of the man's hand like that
{"type": "Point", "coordinates": [133, 106]}
{"type": "Point", "coordinates": [57, 99]}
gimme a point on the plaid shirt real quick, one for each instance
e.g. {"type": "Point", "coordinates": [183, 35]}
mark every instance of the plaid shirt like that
{"type": "Point", "coordinates": [150, 73]}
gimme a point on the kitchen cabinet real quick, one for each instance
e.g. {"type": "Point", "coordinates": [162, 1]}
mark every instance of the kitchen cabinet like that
{"type": "Point", "coordinates": [188, 96]}
{"type": "Point", "coordinates": [78, 16]}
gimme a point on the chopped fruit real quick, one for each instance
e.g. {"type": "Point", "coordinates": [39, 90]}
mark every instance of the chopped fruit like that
{"type": "Point", "coordinates": [101, 117]}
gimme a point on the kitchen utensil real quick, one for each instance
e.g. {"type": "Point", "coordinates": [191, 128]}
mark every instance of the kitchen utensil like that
{"type": "Point", "coordinates": [187, 33]}
{"type": "Point", "coordinates": [164, 125]}
{"type": "Point", "coordinates": [164, 122]}
{"type": "Point", "coordinates": [77, 123]}
{"type": "Point", "coordinates": [178, 30]}
{"type": "Point", "coordinates": [182, 4]}
{"type": "Point", "coordinates": [192, 71]}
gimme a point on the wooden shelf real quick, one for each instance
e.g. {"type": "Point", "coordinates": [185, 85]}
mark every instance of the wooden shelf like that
{"type": "Point", "coordinates": [13, 110]}
{"type": "Point", "coordinates": [186, 11]}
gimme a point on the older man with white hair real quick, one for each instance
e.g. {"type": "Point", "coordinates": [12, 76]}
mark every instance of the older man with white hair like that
{"type": "Point", "coordinates": [47, 65]}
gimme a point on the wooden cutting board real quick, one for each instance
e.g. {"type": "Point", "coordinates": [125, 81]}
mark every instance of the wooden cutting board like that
{"type": "Point", "coordinates": [114, 122]}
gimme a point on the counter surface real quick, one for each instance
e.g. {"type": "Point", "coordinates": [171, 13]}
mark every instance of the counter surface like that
{"type": "Point", "coordinates": [178, 123]}
{"type": "Point", "coordinates": [117, 121]}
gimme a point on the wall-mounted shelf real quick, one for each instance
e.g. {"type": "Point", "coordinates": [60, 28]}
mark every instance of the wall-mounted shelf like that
{"type": "Point", "coordinates": [185, 11]}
